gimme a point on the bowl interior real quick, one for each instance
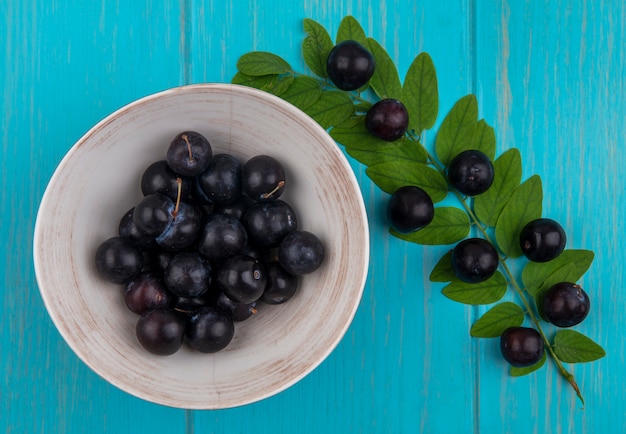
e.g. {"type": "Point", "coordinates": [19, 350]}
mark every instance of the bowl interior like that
{"type": "Point", "coordinates": [98, 180]}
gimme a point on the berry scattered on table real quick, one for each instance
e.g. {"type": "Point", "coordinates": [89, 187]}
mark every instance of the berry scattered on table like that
{"type": "Point", "coordinates": [350, 65]}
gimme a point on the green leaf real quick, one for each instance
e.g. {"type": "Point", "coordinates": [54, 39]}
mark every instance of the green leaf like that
{"type": "Point", "coordinates": [258, 63]}
{"type": "Point", "coordinates": [485, 139]}
{"type": "Point", "coordinates": [385, 82]}
{"type": "Point", "coordinates": [518, 372]}
{"type": "Point", "coordinates": [303, 92]}
{"type": "Point", "coordinates": [535, 274]}
{"type": "Point", "coordinates": [443, 271]}
{"type": "Point", "coordinates": [252, 81]}
{"type": "Point", "coordinates": [457, 129]}
{"type": "Point", "coordinates": [420, 94]}
{"type": "Point", "coordinates": [393, 175]}
{"type": "Point", "coordinates": [562, 274]}
{"type": "Point", "coordinates": [449, 225]}
{"type": "Point", "coordinates": [316, 46]}
{"type": "Point", "coordinates": [331, 108]}
{"type": "Point", "coordinates": [507, 174]}
{"type": "Point", "coordinates": [523, 206]}
{"type": "Point", "coordinates": [573, 347]}
{"type": "Point", "coordinates": [487, 292]}
{"type": "Point", "coordinates": [350, 29]}
{"type": "Point", "coordinates": [496, 320]}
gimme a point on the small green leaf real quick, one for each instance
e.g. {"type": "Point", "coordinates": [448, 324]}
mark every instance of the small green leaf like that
{"type": "Point", "coordinates": [457, 129]}
{"type": "Point", "coordinates": [385, 82]}
{"type": "Point", "coordinates": [535, 274]}
{"type": "Point", "coordinates": [252, 81]}
{"type": "Point", "coordinates": [518, 372]}
{"type": "Point", "coordinates": [497, 319]}
{"type": "Point", "coordinates": [523, 206]}
{"type": "Point", "coordinates": [573, 347]}
{"type": "Point", "coordinates": [350, 29]}
{"type": "Point", "coordinates": [393, 175]}
{"type": "Point", "coordinates": [420, 94]}
{"type": "Point", "coordinates": [303, 92]}
{"type": "Point", "coordinates": [406, 151]}
{"type": "Point", "coordinates": [258, 63]}
{"type": "Point", "coordinates": [562, 274]}
{"type": "Point", "coordinates": [443, 271]}
{"type": "Point", "coordinates": [485, 139]}
{"type": "Point", "coordinates": [316, 46]}
{"type": "Point", "coordinates": [449, 225]}
{"type": "Point", "coordinates": [331, 108]}
{"type": "Point", "coordinates": [487, 292]}
{"type": "Point", "coordinates": [507, 174]}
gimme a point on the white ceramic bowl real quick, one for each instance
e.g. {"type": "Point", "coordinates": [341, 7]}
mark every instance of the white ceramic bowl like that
{"type": "Point", "coordinates": [98, 180]}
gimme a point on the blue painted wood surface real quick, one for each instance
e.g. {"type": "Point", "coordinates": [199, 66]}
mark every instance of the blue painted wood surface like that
{"type": "Point", "coordinates": [549, 76]}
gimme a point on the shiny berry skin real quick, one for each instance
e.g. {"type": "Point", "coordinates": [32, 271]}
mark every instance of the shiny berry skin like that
{"type": "Point", "coordinates": [128, 229]}
{"type": "Point", "coordinates": [521, 346]}
{"type": "Point", "coordinates": [268, 222]}
{"type": "Point", "coordinates": [189, 153]}
{"type": "Point", "coordinates": [146, 292]}
{"type": "Point", "coordinates": [210, 329]}
{"type": "Point", "coordinates": [542, 240]}
{"type": "Point", "coordinates": [118, 260]}
{"type": "Point", "coordinates": [242, 279]}
{"type": "Point", "coordinates": [301, 252]}
{"type": "Point", "coordinates": [183, 230]}
{"type": "Point", "coordinates": [161, 331]}
{"type": "Point", "coordinates": [222, 237]}
{"type": "Point", "coordinates": [474, 260]}
{"type": "Point", "coordinates": [388, 120]}
{"type": "Point", "coordinates": [263, 178]}
{"type": "Point", "coordinates": [221, 180]}
{"type": "Point", "coordinates": [409, 208]}
{"type": "Point", "coordinates": [238, 311]}
{"type": "Point", "coordinates": [154, 213]}
{"type": "Point", "coordinates": [349, 65]}
{"type": "Point", "coordinates": [471, 172]}
{"type": "Point", "coordinates": [160, 178]}
{"type": "Point", "coordinates": [188, 274]}
{"type": "Point", "coordinates": [565, 304]}
{"type": "Point", "coordinates": [281, 285]}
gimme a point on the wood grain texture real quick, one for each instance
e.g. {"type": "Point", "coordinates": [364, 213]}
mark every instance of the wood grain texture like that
{"type": "Point", "coordinates": [550, 77]}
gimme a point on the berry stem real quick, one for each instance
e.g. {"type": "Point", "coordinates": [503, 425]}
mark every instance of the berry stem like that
{"type": "Point", "coordinates": [280, 185]}
{"type": "Point", "coordinates": [186, 139]}
{"type": "Point", "coordinates": [512, 281]}
{"type": "Point", "coordinates": [179, 193]}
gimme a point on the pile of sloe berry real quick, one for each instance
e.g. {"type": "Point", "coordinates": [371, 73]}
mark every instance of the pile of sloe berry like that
{"type": "Point", "coordinates": [208, 241]}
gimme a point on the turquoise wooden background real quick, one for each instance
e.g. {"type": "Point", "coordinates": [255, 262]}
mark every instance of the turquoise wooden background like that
{"type": "Point", "coordinates": [549, 76]}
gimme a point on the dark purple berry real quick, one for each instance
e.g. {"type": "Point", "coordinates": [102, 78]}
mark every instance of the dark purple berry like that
{"type": "Point", "coordinates": [388, 120]}
{"type": "Point", "coordinates": [268, 222]}
{"type": "Point", "coordinates": [471, 172]}
{"type": "Point", "coordinates": [242, 279]}
{"type": "Point", "coordinates": [154, 213]}
{"type": "Point", "coordinates": [222, 237]}
{"type": "Point", "coordinates": [183, 230]}
{"type": "Point", "coordinates": [146, 292]}
{"type": "Point", "coordinates": [160, 178]}
{"type": "Point", "coordinates": [263, 178]}
{"type": "Point", "coordinates": [301, 252]}
{"type": "Point", "coordinates": [189, 153]}
{"type": "Point", "coordinates": [281, 285]}
{"type": "Point", "coordinates": [239, 311]}
{"type": "Point", "coordinates": [210, 329]}
{"type": "Point", "coordinates": [128, 229]}
{"type": "Point", "coordinates": [161, 331]}
{"type": "Point", "coordinates": [349, 65]}
{"type": "Point", "coordinates": [188, 274]}
{"type": "Point", "coordinates": [565, 304]}
{"type": "Point", "coordinates": [474, 260]}
{"type": "Point", "coordinates": [542, 240]}
{"type": "Point", "coordinates": [118, 260]}
{"type": "Point", "coordinates": [221, 180]}
{"type": "Point", "coordinates": [409, 209]}
{"type": "Point", "coordinates": [521, 346]}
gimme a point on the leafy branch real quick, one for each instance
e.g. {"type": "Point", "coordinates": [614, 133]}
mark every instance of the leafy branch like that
{"type": "Point", "coordinates": [498, 215]}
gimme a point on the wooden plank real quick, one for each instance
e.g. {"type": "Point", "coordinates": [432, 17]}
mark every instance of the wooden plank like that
{"type": "Point", "coordinates": [66, 65]}
{"type": "Point", "coordinates": [550, 77]}
{"type": "Point", "coordinates": [407, 359]}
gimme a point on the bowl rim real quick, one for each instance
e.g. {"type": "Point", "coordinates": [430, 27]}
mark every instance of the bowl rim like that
{"type": "Point", "coordinates": [133, 105]}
